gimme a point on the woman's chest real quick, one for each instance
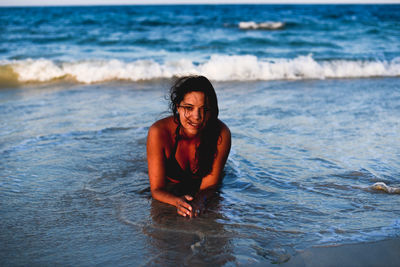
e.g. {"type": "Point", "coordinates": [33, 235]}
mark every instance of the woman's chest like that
{"type": "Point", "coordinates": [185, 155]}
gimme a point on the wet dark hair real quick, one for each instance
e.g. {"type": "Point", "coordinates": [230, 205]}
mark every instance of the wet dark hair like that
{"type": "Point", "coordinates": [207, 150]}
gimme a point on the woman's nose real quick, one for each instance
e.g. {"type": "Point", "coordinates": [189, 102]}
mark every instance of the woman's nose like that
{"type": "Point", "coordinates": [197, 114]}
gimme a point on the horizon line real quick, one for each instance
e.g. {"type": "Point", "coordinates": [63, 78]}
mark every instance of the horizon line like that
{"type": "Point", "coordinates": [185, 2]}
{"type": "Point", "coordinates": [196, 4]}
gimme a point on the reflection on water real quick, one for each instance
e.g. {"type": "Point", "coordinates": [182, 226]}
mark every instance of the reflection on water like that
{"type": "Point", "coordinates": [312, 163]}
{"type": "Point", "coordinates": [183, 241]}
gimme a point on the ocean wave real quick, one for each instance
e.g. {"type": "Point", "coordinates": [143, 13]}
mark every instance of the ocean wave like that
{"type": "Point", "coordinates": [270, 25]}
{"type": "Point", "coordinates": [380, 186]}
{"type": "Point", "coordinates": [217, 68]}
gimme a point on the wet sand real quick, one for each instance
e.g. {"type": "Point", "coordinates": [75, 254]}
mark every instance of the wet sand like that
{"type": "Point", "coordinates": [382, 253]}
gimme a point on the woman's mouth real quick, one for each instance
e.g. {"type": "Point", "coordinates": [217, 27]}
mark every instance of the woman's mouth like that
{"type": "Point", "coordinates": [193, 124]}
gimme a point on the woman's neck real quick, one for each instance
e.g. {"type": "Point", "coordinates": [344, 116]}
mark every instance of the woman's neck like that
{"type": "Point", "coordinates": [187, 136]}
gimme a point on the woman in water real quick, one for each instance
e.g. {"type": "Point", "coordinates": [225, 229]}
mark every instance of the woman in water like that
{"type": "Point", "coordinates": [186, 152]}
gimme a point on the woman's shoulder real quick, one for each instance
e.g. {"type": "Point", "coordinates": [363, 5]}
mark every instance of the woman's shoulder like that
{"type": "Point", "coordinates": [224, 129]}
{"type": "Point", "coordinates": [164, 127]}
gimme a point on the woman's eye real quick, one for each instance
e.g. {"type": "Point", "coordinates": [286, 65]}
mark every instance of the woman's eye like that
{"type": "Point", "coordinates": [189, 108]}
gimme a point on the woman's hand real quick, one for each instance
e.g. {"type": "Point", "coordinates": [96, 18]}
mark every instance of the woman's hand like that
{"type": "Point", "coordinates": [183, 207]}
{"type": "Point", "coordinates": [198, 205]}
{"type": "Point", "coordinates": [193, 209]}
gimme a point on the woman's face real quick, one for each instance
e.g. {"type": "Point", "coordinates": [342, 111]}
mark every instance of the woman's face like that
{"type": "Point", "coordinates": [193, 112]}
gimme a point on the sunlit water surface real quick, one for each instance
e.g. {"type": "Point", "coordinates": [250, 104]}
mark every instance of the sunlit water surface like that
{"type": "Point", "coordinates": [74, 187]}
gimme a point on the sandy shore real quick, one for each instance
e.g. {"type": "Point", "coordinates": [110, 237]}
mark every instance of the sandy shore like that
{"type": "Point", "coordinates": [382, 253]}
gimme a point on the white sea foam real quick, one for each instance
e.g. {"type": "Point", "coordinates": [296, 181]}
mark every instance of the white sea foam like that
{"type": "Point", "coordinates": [385, 188]}
{"type": "Point", "coordinates": [217, 68]}
{"type": "Point", "coordinates": [40, 70]}
{"type": "Point", "coordinates": [269, 25]}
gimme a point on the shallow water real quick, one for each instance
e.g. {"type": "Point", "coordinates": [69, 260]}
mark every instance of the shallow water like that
{"type": "Point", "coordinates": [305, 154]}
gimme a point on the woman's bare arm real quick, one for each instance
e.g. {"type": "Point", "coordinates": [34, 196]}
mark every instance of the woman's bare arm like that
{"type": "Point", "coordinates": [212, 180]}
{"type": "Point", "coordinates": [223, 149]}
{"type": "Point", "coordinates": [156, 139]}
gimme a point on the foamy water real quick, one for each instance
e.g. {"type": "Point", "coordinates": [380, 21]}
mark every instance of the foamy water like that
{"type": "Point", "coordinates": [312, 163]}
{"type": "Point", "coordinates": [270, 25]}
{"type": "Point", "coordinates": [217, 68]}
{"type": "Point", "coordinates": [313, 108]}
{"type": "Point", "coordinates": [385, 188]}
{"type": "Point", "coordinates": [225, 43]}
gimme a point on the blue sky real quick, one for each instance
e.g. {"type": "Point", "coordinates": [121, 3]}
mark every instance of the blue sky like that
{"type": "Point", "coordinates": [125, 2]}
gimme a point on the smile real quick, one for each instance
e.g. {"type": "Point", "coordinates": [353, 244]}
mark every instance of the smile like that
{"type": "Point", "coordinates": [195, 125]}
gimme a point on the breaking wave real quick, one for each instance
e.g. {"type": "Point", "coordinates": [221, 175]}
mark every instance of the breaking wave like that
{"type": "Point", "coordinates": [270, 25]}
{"type": "Point", "coordinates": [380, 186]}
{"type": "Point", "coordinates": [217, 68]}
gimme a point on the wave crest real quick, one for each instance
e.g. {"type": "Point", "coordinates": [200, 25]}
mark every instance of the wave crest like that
{"type": "Point", "coordinates": [217, 68]}
{"type": "Point", "coordinates": [385, 188]}
{"type": "Point", "coordinates": [270, 25]}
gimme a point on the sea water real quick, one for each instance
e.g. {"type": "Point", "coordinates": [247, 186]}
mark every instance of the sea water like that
{"type": "Point", "coordinates": [311, 95]}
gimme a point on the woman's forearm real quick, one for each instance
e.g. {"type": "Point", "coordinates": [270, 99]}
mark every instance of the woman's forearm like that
{"type": "Point", "coordinates": [182, 206]}
{"type": "Point", "coordinates": [165, 197]}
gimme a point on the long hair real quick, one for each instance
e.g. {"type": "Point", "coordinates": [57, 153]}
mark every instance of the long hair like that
{"type": "Point", "coordinates": [209, 135]}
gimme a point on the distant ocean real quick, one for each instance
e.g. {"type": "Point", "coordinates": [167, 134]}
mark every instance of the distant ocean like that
{"type": "Point", "coordinates": [226, 43]}
{"type": "Point", "coordinates": [311, 94]}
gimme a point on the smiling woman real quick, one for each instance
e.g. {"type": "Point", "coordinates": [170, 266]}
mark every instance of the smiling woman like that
{"type": "Point", "coordinates": [186, 152]}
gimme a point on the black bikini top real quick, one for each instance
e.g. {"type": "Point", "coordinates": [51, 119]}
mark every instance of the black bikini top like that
{"type": "Point", "coordinates": [173, 169]}
{"type": "Point", "coordinates": [185, 181]}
